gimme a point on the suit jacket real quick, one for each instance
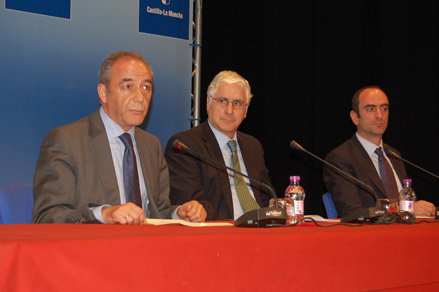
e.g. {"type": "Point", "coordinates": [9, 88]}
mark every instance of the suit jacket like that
{"type": "Point", "coordinates": [193, 179]}
{"type": "Point", "coordinates": [353, 158]}
{"type": "Point", "coordinates": [75, 171]}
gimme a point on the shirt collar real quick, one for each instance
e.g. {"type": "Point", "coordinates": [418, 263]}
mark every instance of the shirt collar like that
{"type": "Point", "coordinates": [220, 137]}
{"type": "Point", "coordinates": [368, 146]}
{"type": "Point", "coordinates": [111, 127]}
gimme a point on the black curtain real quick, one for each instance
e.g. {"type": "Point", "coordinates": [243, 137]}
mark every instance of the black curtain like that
{"type": "Point", "coordinates": [305, 59]}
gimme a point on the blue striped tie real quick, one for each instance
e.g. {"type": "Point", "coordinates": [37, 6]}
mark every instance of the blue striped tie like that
{"type": "Point", "coordinates": [130, 173]}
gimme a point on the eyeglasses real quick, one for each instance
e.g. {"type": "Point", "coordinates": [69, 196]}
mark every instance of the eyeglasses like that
{"type": "Point", "coordinates": [236, 103]}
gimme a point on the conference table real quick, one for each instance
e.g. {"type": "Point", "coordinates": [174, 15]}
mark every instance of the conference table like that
{"type": "Point", "coordinates": [95, 257]}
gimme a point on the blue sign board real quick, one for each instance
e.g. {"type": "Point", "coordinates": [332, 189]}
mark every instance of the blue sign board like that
{"type": "Point", "coordinates": [165, 17]}
{"type": "Point", "coordinates": [58, 8]}
{"type": "Point", "coordinates": [49, 63]}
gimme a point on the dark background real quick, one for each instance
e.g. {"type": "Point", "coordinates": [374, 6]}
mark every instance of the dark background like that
{"type": "Point", "coordinates": [305, 59]}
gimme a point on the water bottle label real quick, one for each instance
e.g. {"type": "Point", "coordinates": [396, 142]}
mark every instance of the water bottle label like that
{"type": "Point", "coordinates": [290, 210]}
{"type": "Point", "coordinates": [408, 206]}
{"type": "Point", "coordinates": [298, 208]}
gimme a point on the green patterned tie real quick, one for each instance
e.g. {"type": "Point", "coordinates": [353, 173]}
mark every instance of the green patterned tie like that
{"type": "Point", "coordinates": [248, 203]}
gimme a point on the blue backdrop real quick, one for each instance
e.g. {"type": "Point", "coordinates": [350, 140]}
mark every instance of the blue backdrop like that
{"type": "Point", "coordinates": [49, 62]}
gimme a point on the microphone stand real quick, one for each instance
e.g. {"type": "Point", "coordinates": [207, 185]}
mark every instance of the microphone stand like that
{"type": "Point", "coordinates": [374, 213]}
{"type": "Point", "coordinates": [390, 152]}
{"type": "Point", "coordinates": [262, 217]}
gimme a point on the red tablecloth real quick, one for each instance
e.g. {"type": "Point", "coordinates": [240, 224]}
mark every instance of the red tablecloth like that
{"type": "Point", "coordinates": [68, 257]}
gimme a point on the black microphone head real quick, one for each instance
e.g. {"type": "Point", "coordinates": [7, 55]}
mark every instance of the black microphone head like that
{"type": "Point", "coordinates": [176, 144]}
{"type": "Point", "coordinates": [295, 145]}
{"type": "Point", "coordinates": [390, 152]}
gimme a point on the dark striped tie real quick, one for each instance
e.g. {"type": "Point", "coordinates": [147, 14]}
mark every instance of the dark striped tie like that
{"type": "Point", "coordinates": [130, 173]}
{"type": "Point", "coordinates": [387, 176]}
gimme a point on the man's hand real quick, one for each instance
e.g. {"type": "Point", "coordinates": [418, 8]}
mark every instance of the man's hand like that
{"type": "Point", "coordinates": [192, 211]}
{"type": "Point", "coordinates": [424, 208]}
{"type": "Point", "coordinates": [128, 213]}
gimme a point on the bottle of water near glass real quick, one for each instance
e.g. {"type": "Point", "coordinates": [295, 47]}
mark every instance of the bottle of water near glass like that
{"type": "Point", "coordinates": [405, 201]}
{"type": "Point", "coordinates": [407, 197]}
{"type": "Point", "coordinates": [293, 202]}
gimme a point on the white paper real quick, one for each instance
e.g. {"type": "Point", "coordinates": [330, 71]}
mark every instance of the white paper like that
{"type": "Point", "coordinates": [186, 223]}
{"type": "Point", "coordinates": [320, 218]}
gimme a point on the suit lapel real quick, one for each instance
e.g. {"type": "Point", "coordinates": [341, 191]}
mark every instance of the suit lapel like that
{"type": "Point", "coordinates": [101, 153]}
{"type": "Point", "coordinates": [398, 166]}
{"type": "Point", "coordinates": [400, 172]}
{"type": "Point", "coordinates": [215, 153]}
{"type": "Point", "coordinates": [146, 167]}
{"type": "Point", "coordinates": [367, 164]}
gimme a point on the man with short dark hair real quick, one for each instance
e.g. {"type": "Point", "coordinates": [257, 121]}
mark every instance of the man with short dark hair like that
{"type": "Point", "coordinates": [224, 195]}
{"type": "Point", "coordinates": [103, 168]}
{"type": "Point", "coordinates": [364, 157]}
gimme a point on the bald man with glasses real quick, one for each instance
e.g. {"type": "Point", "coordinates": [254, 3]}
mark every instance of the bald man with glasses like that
{"type": "Point", "coordinates": [224, 195]}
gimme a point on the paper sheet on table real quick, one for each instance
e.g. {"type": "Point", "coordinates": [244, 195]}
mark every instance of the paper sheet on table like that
{"type": "Point", "coordinates": [320, 218]}
{"type": "Point", "coordinates": [186, 223]}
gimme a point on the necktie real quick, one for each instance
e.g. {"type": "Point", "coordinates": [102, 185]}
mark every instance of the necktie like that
{"type": "Point", "coordinates": [246, 200]}
{"type": "Point", "coordinates": [130, 173]}
{"type": "Point", "coordinates": [387, 176]}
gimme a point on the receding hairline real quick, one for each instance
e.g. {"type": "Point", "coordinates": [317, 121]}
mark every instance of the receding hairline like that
{"type": "Point", "coordinates": [107, 65]}
{"type": "Point", "coordinates": [359, 92]}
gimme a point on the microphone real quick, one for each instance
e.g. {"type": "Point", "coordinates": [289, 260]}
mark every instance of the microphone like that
{"type": "Point", "coordinates": [360, 213]}
{"type": "Point", "coordinates": [262, 217]}
{"type": "Point", "coordinates": [390, 152]}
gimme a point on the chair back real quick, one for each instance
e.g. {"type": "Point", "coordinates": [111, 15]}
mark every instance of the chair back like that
{"type": "Point", "coordinates": [331, 212]}
{"type": "Point", "coordinates": [16, 203]}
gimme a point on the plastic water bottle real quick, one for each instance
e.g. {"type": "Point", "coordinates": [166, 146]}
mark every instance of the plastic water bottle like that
{"type": "Point", "coordinates": [294, 197]}
{"type": "Point", "coordinates": [407, 197]}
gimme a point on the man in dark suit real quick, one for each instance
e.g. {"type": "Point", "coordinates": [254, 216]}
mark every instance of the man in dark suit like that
{"type": "Point", "coordinates": [84, 174]}
{"type": "Point", "coordinates": [360, 157]}
{"type": "Point", "coordinates": [222, 195]}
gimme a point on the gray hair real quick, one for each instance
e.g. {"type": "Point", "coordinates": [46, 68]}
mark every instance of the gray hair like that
{"type": "Point", "coordinates": [228, 77]}
{"type": "Point", "coordinates": [107, 65]}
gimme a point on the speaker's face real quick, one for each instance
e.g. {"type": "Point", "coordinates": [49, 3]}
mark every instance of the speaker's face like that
{"type": "Point", "coordinates": [373, 115]}
{"type": "Point", "coordinates": [228, 108]}
{"type": "Point", "coordinates": [127, 98]}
